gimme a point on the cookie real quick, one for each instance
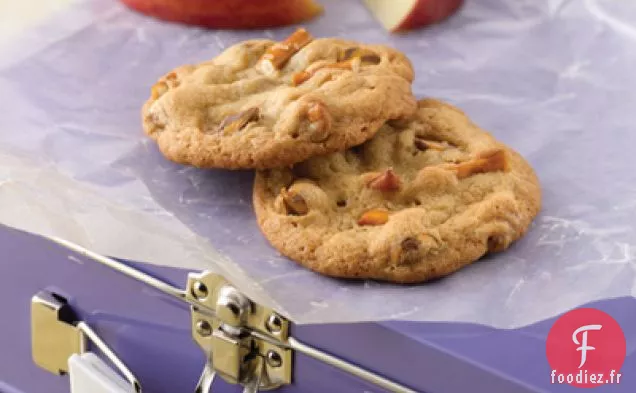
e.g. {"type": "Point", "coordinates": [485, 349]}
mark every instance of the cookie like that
{"type": "Point", "coordinates": [262, 104]}
{"type": "Point", "coordinates": [420, 200]}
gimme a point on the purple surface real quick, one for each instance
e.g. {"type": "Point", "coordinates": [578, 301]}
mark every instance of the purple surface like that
{"type": "Point", "coordinates": [150, 332]}
{"type": "Point", "coordinates": [552, 78]}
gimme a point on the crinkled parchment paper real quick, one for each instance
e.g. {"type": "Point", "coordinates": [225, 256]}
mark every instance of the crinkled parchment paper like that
{"type": "Point", "coordinates": [553, 79]}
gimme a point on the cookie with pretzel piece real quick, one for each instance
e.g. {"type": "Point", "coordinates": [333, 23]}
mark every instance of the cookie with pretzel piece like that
{"type": "Point", "coordinates": [420, 200]}
{"type": "Point", "coordinates": [264, 104]}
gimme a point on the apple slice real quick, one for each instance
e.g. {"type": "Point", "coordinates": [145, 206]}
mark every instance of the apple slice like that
{"type": "Point", "coordinates": [229, 14]}
{"type": "Point", "coordinates": [402, 15]}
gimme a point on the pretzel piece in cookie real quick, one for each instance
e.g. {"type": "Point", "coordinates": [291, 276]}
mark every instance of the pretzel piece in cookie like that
{"type": "Point", "coordinates": [278, 54]}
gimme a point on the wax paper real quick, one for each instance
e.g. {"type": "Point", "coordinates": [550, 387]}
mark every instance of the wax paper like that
{"type": "Point", "coordinates": [554, 80]}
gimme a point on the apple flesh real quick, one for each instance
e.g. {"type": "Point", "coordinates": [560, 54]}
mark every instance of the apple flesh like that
{"type": "Point", "coordinates": [229, 14]}
{"type": "Point", "coordinates": [402, 15]}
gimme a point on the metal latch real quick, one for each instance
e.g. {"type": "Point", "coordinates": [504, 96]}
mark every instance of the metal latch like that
{"type": "Point", "coordinates": [244, 342]}
{"type": "Point", "coordinates": [57, 336]}
{"type": "Point", "coordinates": [238, 337]}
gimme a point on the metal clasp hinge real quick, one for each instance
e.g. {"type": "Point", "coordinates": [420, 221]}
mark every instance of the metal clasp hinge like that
{"type": "Point", "coordinates": [241, 339]}
{"type": "Point", "coordinates": [245, 343]}
{"type": "Point", "coordinates": [57, 334]}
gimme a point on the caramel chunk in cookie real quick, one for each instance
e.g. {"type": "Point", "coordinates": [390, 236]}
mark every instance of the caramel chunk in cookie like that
{"type": "Point", "coordinates": [158, 89]}
{"type": "Point", "coordinates": [423, 145]}
{"type": "Point", "coordinates": [295, 203]}
{"type": "Point", "coordinates": [412, 249]}
{"type": "Point", "coordinates": [366, 56]}
{"type": "Point", "coordinates": [408, 251]}
{"type": "Point", "coordinates": [239, 120]}
{"type": "Point", "coordinates": [486, 162]}
{"type": "Point", "coordinates": [374, 217]}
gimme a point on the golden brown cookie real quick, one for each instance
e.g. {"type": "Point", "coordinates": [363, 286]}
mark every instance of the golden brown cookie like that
{"type": "Point", "coordinates": [420, 200]}
{"type": "Point", "coordinates": [262, 104]}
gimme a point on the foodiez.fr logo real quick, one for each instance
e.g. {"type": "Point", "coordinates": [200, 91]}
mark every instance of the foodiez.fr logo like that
{"type": "Point", "coordinates": [586, 348]}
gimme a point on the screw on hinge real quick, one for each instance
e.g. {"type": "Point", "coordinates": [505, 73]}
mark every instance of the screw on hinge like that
{"type": "Point", "coordinates": [274, 359]}
{"type": "Point", "coordinates": [199, 290]}
{"type": "Point", "coordinates": [274, 324]}
{"type": "Point", "coordinates": [203, 328]}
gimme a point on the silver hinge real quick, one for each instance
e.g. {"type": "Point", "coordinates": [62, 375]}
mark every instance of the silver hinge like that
{"type": "Point", "coordinates": [238, 337]}
{"type": "Point", "coordinates": [244, 342]}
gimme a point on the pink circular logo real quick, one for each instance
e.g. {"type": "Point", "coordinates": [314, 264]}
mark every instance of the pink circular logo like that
{"type": "Point", "coordinates": [586, 348]}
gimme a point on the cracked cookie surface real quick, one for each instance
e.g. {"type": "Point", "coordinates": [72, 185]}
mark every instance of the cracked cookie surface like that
{"type": "Point", "coordinates": [264, 104]}
{"type": "Point", "coordinates": [419, 201]}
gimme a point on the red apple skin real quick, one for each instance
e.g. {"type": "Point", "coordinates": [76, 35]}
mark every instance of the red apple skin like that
{"type": "Point", "coordinates": [229, 14]}
{"type": "Point", "coordinates": [428, 12]}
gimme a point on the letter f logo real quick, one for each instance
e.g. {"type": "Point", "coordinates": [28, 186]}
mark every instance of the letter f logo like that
{"type": "Point", "coordinates": [583, 344]}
